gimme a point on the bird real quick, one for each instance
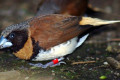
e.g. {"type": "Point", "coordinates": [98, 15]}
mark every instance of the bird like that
{"type": "Point", "coordinates": [71, 7]}
{"type": "Point", "coordinates": [49, 37]}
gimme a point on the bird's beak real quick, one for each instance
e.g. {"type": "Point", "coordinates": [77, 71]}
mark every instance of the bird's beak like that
{"type": "Point", "coordinates": [4, 43]}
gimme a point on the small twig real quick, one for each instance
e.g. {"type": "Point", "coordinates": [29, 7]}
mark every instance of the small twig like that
{"type": "Point", "coordinates": [85, 62]}
{"type": "Point", "coordinates": [116, 39]}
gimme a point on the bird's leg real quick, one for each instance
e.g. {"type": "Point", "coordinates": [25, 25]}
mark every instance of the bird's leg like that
{"type": "Point", "coordinates": [53, 63]}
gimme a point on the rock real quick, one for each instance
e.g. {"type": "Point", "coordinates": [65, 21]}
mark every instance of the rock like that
{"type": "Point", "coordinates": [10, 75]}
{"type": "Point", "coordinates": [41, 78]}
{"type": "Point", "coordinates": [113, 62]}
{"type": "Point", "coordinates": [118, 57]}
{"type": "Point", "coordinates": [105, 63]}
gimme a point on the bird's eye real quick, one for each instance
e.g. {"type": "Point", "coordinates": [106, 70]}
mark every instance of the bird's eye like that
{"type": "Point", "coordinates": [12, 35]}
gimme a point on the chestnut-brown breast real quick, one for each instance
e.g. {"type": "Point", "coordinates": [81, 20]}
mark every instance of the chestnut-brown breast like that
{"type": "Point", "coordinates": [51, 30]}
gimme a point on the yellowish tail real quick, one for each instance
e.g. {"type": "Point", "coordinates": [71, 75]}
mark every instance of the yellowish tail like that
{"type": "Point", "coordinates": [96, 21]}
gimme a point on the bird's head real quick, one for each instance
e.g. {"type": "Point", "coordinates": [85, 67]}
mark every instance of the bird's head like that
{"type": "Point", "coordinates": [14, 36]}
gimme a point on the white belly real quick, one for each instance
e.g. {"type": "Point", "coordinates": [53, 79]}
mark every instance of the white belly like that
{"type": "Point", "coordinates": [57, 51]}
{"type": "Point", "coordinates": [60, 50]}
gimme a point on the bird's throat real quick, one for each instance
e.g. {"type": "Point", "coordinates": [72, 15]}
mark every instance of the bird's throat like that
{"type": "Point", "coordinates": [26, 52]}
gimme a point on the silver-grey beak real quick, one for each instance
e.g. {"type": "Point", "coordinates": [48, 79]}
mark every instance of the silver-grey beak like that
{"type": "Point", "coordinates": [4, 43]}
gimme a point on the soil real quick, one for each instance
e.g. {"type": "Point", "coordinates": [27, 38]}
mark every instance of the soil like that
{"type": "Point", "coordinates": [87, 71]}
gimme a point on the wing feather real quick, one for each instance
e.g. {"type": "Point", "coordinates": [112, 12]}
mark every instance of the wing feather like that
{"type": "Point", "coordinates": [51, 30]}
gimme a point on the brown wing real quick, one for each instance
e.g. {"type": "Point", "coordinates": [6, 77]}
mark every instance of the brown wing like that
{"type": "Point", "coordinates": [51, 30]}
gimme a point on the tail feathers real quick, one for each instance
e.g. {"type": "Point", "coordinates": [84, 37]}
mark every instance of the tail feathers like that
{"type": "Point", "coordinates": [96, 21]}
{"type": "Point", "coordinates": [81, 40]}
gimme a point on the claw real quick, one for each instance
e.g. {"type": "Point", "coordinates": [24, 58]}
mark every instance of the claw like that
{"type": "Point", "coordinates": [58, 64]}
{"type": "Point", "coordinates": [55, 62]}
{"type": "Point", "coordinates": [41, 65]}
{"type": "Point", "coordinates": [36, 65]}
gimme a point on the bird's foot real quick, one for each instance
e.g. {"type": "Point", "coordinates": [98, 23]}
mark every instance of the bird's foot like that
{"type": "Point", "coordinates": [58, 64]}
{"type": "Point", "coordinates": [53, 63]}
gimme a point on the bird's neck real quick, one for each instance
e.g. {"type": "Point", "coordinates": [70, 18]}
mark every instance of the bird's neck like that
{"type": "Point", "coordinates": [26, 52]}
